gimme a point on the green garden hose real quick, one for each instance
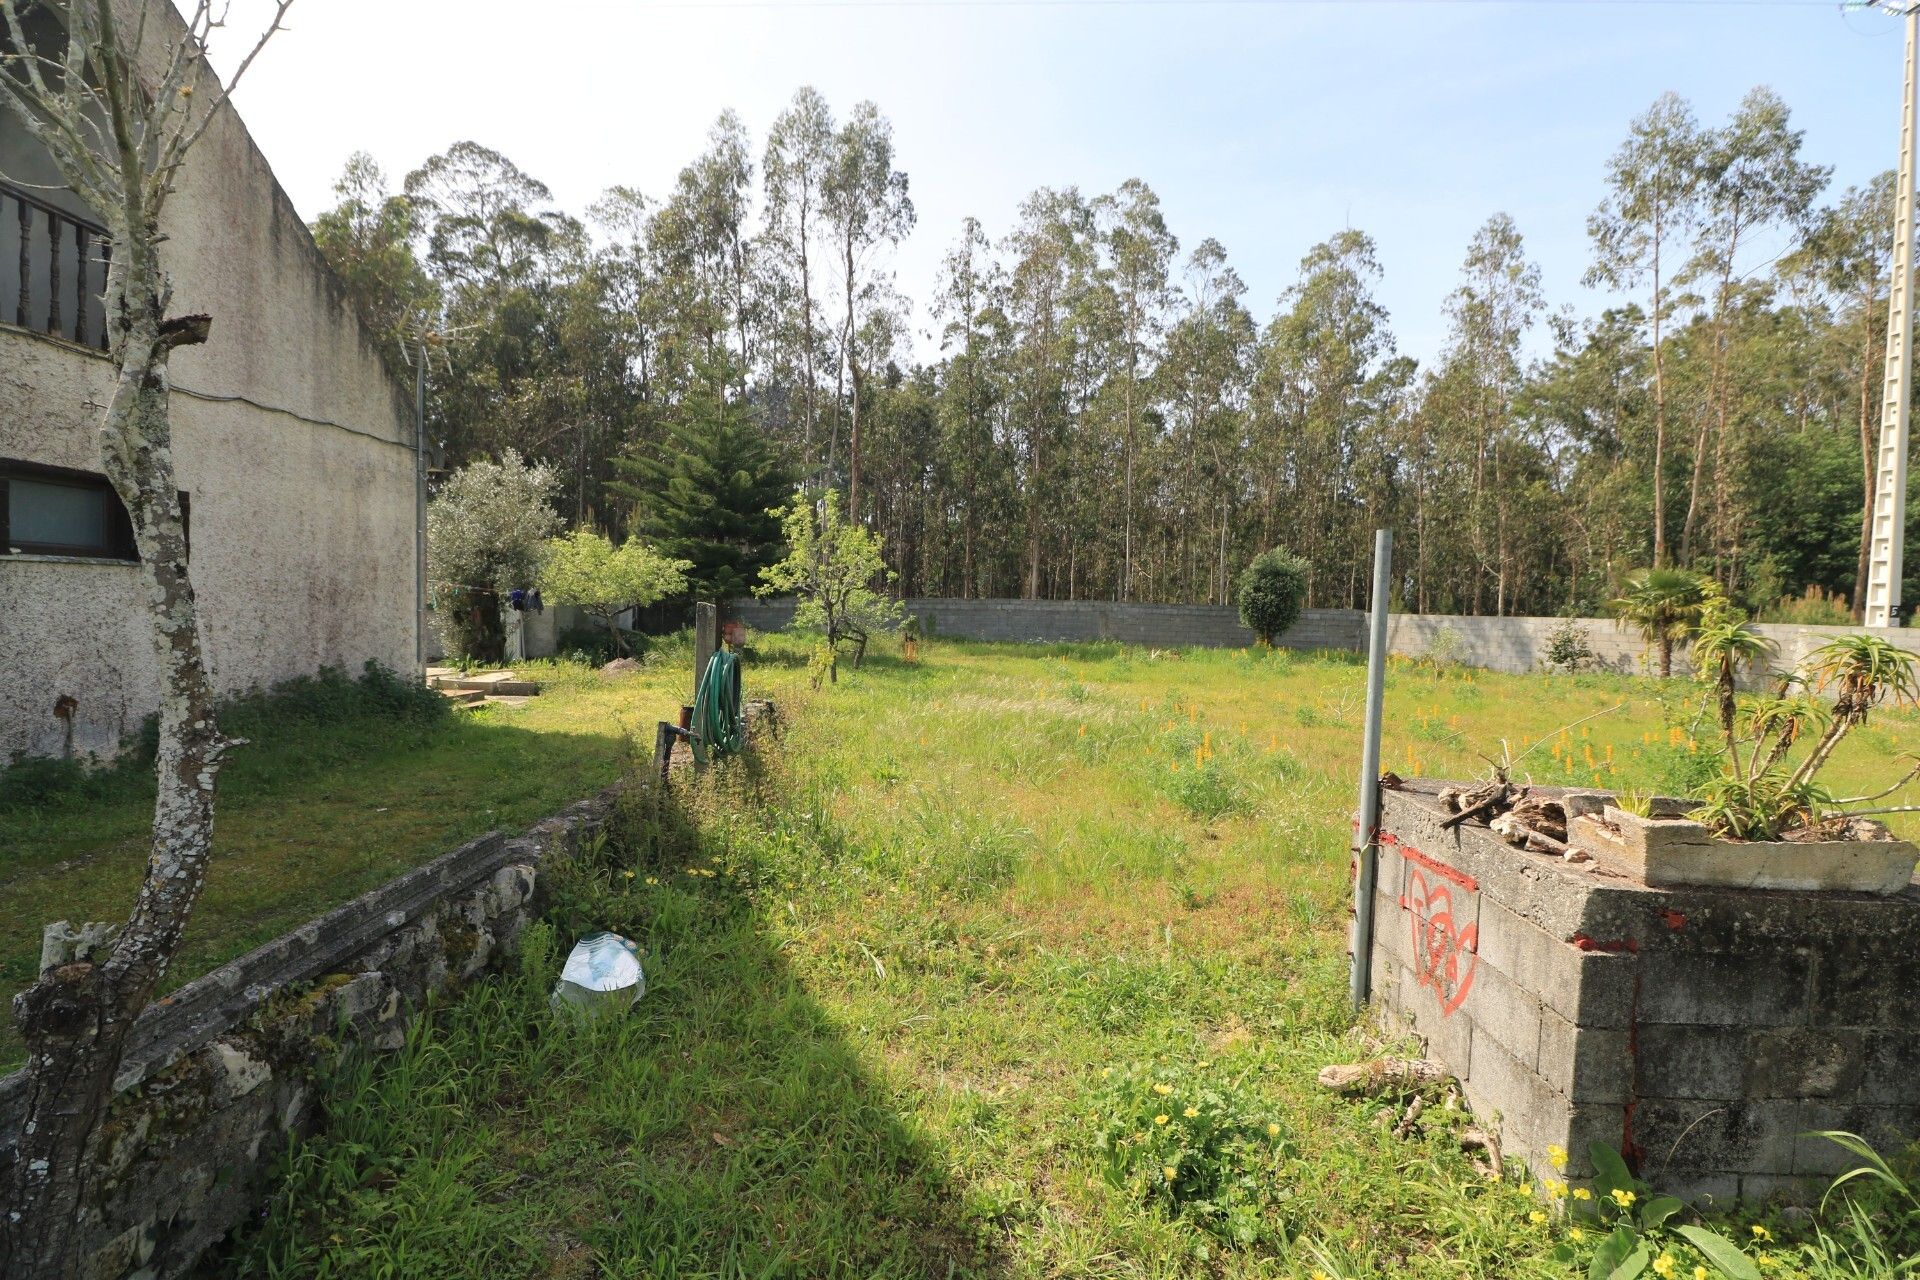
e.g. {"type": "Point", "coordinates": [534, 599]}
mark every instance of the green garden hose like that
{"type": "Point", "coordinates": [717, 727]}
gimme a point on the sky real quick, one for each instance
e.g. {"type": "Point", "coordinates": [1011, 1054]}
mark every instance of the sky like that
{"type": "Point", "coordinates": [1265, 124]}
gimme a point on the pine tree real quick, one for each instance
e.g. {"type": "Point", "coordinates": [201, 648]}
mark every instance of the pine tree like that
{"type": "Point", "coordinates": [705, 495]}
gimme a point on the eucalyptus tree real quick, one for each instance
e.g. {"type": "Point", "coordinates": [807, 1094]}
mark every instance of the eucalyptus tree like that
{"type": "Point", "coordinates": [1850, 253]}
{"type": "Point", "coordinates": [868, 210]}
{"type": "Point", "coordinates": [1653, 201]}
{"type": "Point", "coordinates": [1326, 375]}
{"type": "Point", "coordinates": [1751, 179]}
{"type": "Point", "coordinates": [1139, 254]}
{"type": "Point", "coordinates": [1204, 378]}
{"type": "Point", "coordinates": [119, 111]}
{"type": "Point", "coordinates": [973, 334]}
{"type": "Point", "coordinates": [1498, 300]}
{"type": "Point", "coordinates": [1053, 257]}
{"type": "Point", "coordinates": [796, 170]}
{"type": "Point", "coordinates": [368, 239]}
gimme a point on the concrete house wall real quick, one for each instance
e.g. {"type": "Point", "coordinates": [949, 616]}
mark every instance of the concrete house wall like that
{"type": "Point", "coordinates": [291, 435]}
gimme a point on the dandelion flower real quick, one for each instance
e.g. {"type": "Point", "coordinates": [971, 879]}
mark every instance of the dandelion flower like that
{"type": "Point", "coordinates": [1168, 1170]}
{"type": "Point", "coordinates": [1273, 1130]}
{"type": "Point", "coordinates": [1161, 1118]}
{"type": "Point", "coordinates": [1105, 1072]}
{"type": "Point", "coordinates": [1191, 1112]}
{"type": "Point", "coordinates": [1163, 1089]}
{"type": "Point", "coordinates": [1624, 1199]}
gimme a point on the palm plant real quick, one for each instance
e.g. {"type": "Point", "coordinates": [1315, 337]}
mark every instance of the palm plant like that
{"type": "Point", "coordinates": [1663, 605]}
{"type": "Point", "coordinates": [1863, 671]}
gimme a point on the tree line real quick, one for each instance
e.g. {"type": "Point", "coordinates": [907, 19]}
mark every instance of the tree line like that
{"type": "Point", "coordinates": [1106, 416]}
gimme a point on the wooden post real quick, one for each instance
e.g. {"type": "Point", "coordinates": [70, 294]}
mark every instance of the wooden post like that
{"type": "Point", "coordinates": [662, 752]}
{"type": "Point", "coordinates": [706, 638]}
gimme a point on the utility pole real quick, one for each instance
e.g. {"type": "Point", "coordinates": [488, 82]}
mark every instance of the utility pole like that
{"type": "Point", "coordinates": [1887, 547]}
{"type": "Point", "coordinates": [420, 509]}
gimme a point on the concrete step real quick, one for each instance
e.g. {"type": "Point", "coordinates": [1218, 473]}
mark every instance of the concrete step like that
{"type": "Point", "coordinates": [463, 697]}
{"type": "Point", "coordinates": [501, 683]}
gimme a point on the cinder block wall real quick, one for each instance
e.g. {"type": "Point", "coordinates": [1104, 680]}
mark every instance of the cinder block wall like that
{"type": "Point", "coordinates": [1514, 645]}
{"type": "Point", "coordinates": [1164, 626]}
{"type": "Point", "coordinates": [1700, 1032]}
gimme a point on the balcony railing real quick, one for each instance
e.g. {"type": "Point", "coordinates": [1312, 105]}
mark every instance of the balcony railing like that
{"type": "Point", "coordinates": [53, 270]}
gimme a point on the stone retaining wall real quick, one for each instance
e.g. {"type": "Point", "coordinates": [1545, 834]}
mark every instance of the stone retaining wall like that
{"type": "Point", "coordinates": [1701, 1032]}
{"type": "Point", "coordinates": [218, 1074]}
{"type": "Point", "coordinates": [1516, 645]}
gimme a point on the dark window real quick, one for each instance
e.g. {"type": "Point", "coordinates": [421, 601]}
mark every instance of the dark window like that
{"type": "Point", "coordinates": [56, 512]}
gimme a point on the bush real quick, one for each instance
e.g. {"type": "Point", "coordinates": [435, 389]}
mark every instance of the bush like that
{"type": "Point", "coordinates": [1271, 590]}
{"type": "Point", "coordinates": [1814, 609]}
{"type": "Point", "coordinates": [1568, 648]}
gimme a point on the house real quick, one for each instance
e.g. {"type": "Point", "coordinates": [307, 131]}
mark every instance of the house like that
{"type": "Point", "coordinates": [293, 441]}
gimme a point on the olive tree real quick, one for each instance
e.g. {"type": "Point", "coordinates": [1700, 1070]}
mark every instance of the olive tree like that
{"type": "Point", "coordinates": [487, 530]}
{"type": "Point", "coordinates": [118, 93]}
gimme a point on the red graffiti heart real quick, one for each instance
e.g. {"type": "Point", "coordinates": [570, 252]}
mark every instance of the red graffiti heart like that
{"type": "Point", "coordinates": [1445, 958]}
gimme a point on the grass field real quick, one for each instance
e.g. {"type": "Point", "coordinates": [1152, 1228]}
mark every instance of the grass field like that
{"type": "Point", "coordinates": [1017, 961]}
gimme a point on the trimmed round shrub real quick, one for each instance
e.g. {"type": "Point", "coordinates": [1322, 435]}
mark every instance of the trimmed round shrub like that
{"type": "Point", "coordinates": [1271, 590]}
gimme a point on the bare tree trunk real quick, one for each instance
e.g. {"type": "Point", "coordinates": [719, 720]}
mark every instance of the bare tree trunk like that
{"type": "Point", "coordinates": [119, 138]}
{"type": "Point", "coordinates": [1659, 417]}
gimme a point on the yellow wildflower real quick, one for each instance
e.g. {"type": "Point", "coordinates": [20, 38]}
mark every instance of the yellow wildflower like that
{"type": "Point", "coordinates": [1168, 1170]}
{"type": "Point", "coordinates": [1761, 1233]}
{"type": "Point", "coordinates": [1163, 1089]}
{"type": "Point", "coordinates": [1191, 1112]}
{"type": "Point", "coordinates": [1161, 1118]}
{"type": "Point", "coordinates": [1664, 1264]}
{"type": "Point", "coordinates": [1556, 1190]}
{"type": "Point", "coordinates": [1624, 1199]}
{"type": "Point", "coordinates": [1525, 1190]}
{"type": "Point", "coordinates": [628, 874]}
{"type": "Point", "coordinates": [1576, 1235]}
{"type": "Point", "coordinates": [653, 879]}
{"type": "Point", "coordinates": [1581, 1193]}
{"type": "Point", "coordinates": [1202, 1066]}
{"type": "Point", "coordinates": [1273, 1130]}
{"type": "Point", "coordinates": [1536, 1217]}
{"type": "Point", "coordinates": [1700, 1273]}
{"type": "Point", "coordinates": [1105, 1072]}
{"type": "Point", "coordinates": [1557, 1156]}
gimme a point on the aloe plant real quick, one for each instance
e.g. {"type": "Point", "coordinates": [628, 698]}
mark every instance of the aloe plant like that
{"type": "Point", "coordinates": [1757, 796]}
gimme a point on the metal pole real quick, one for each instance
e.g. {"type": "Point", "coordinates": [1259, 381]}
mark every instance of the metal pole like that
{"type": "Point", "coordinates": [1886, 554]}
{"type": "Point", "coordinates": [420, 509]}
{"type": "Point", "coordinates": [1366, 844]}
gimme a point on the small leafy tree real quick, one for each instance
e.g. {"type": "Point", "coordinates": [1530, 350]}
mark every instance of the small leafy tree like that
{"type": "Point", "coordinates": [1272, 588]}
{"type": "Point", "coordinates": [1663, 605]}
{"type": "Point", "coordinates": [831, 567]}
{"type": "Point", "coordinates": [586, 570]}
{"type": "Point", "coordinates": [1569, 649]}
{"type": "Point", "coordinates": [486, 532]}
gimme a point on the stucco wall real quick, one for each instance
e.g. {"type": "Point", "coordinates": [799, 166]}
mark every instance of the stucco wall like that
{"type": "Point", "coordinates": [292, 437]}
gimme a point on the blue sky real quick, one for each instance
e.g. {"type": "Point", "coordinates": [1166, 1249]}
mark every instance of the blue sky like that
{"type": "Point", "coordinates": [1266, 126]}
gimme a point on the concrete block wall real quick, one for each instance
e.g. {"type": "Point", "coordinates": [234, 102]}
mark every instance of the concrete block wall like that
{"type": "Point", "coordinates": [1700, 1032]}
{"type": "Point", "coordinates": [217, 1078]}
{"type": "Point", "coordinates": [1163, 626]}
{"type": "Point", "coordinates": [1516, 645]}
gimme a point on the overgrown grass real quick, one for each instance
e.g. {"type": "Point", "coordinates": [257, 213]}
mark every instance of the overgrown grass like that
{"type": "Point", "coordinates": [343, 785]}
{"type": "Point", "coordinates": [901, 986]}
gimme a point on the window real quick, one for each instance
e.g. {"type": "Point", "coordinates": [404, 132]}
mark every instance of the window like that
{"type": "Point", "coordinates": [56, 512]}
